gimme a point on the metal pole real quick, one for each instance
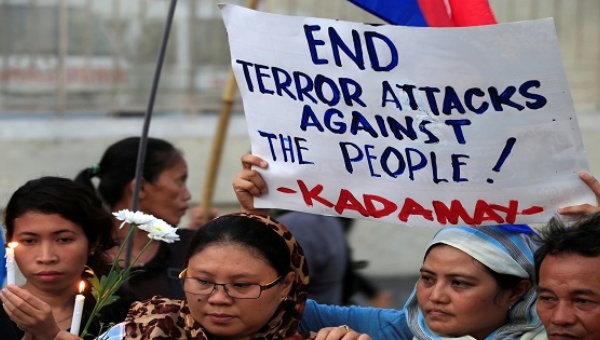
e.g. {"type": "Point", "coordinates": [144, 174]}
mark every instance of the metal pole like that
{"type": "Point", "coordinates": [147, 117]}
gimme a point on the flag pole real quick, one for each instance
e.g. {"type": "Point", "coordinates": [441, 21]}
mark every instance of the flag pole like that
{"type": "Point", "coordinates": [228, 100]}
{"type": "Point", "coordinates": [141, 156]}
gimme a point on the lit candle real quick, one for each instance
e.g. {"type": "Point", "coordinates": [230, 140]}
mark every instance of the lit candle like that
{"type": "Point", "coordinates": [77, 310]}
{"type": "Point", "coordinates": [10, 263]}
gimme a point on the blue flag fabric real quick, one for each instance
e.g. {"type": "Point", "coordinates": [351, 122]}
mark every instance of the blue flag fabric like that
{"type": "Point", "coordinates": [397, 12]}
{"type": "Point", "coordinates": [430, 13]}
{"type": "Point", "coordinates": [2, 261]}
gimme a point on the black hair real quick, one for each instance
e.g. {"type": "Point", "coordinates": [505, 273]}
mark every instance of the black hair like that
{"type": "Point", "coordinates": [72, 201]}
{"type": "Point", "coordinates": [117, 166]}
{"type": "Point", "coordinates": [581, 238]}
{"type": "Point", "coordinates": [247, 232]}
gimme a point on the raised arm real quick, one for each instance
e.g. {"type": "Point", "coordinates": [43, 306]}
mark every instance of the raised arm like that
{"type": "Point", "coordinates": [249, 183]}
{"type": "Point", "coordinates": [376, 322]}
{"type": "Point", "coordinates": [584, 209]}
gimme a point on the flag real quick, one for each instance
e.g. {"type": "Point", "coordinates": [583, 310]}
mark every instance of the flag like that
{"type": "Point", "coordinates": [430, 13]}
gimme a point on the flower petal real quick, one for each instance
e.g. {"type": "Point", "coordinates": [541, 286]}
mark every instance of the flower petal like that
{"type": "Point", "coordinates": [135, 218]}
{"type": "Point", "coordinates": [160, 230]}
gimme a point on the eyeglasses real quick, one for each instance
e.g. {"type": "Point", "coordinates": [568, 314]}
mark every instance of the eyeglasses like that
{"type": "Point", "coordinates": [236, 290]}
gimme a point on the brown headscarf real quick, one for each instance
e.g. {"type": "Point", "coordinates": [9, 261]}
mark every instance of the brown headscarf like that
{"type": "Point", "coordinates": [161, 318]}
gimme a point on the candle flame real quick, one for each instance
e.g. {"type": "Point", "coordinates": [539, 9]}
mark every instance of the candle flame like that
{"type": "Point", "coordinates": [13, 245]}
{"type": "Point", "coordinates": [81, 286]}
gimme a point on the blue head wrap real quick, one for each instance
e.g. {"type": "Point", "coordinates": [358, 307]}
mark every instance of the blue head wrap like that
{"type": "Point", "coordinates": [505, 249]}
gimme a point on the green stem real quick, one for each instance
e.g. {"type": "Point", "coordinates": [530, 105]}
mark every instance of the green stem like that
{"type": "Point", "coordinates": [106, 292]}
{"type": "Point", "coordinates": [128, 269]}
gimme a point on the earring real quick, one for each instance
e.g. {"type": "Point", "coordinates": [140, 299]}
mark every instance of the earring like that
{"type": "Point", "coordinates": [285, 298]}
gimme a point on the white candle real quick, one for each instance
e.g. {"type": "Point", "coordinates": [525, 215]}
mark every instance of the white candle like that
{"type": "Point", "coordinates": [10, 263]}
{"type": "Point", "coordinates": [77, 310]}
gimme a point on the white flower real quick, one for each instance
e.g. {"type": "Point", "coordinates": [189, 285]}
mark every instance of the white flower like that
{"type": "Point", "coordinates": [160, 230]}
{"type": "Point", "coordinates": [134, 218]}
{"type": "Point", "coordinates": [106, 288]}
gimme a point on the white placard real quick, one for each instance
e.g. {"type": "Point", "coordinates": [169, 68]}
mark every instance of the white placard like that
{"type": "Point", "coordinates": [410, 125]}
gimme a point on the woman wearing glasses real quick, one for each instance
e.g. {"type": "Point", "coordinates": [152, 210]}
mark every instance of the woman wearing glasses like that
{"type": "Point", "coordinates": [246, 278]}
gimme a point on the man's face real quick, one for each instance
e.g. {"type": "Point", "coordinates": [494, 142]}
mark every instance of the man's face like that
{"type": "Point", "coordinates": [569, 296]}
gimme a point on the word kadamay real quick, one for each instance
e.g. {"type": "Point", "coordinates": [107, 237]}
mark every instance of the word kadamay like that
{"type": "Point", "coordinates": [454, 212]}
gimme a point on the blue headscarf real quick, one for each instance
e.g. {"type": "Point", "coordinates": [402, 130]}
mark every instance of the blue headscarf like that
{"type": "Point", "coordinates": [505, 249]}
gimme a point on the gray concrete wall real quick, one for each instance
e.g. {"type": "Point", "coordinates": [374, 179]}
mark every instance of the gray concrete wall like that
{"type": "Point", "coordinates": [32, 147]}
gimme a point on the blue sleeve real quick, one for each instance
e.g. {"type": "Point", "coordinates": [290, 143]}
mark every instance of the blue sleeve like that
{"type": "Point", "coordinates": [380, 324]}
{"type": "Point", "coordinates": [2, 260]}
{"type": "Point", "coordinates": [117, 332]}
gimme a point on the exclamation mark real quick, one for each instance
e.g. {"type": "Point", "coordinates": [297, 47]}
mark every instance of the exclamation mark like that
{"type": "Point", "coordinates": [507, 149]}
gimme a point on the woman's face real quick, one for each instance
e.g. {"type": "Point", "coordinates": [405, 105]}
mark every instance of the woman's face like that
{"type": "Point", "coordinates": [458, 297]}
{"type": "Point", "coordinates": [52, 251]}
{"type": "Point", "coordinates": [167, 197]}
{"type": "Point", "coordinates": [226, 317]}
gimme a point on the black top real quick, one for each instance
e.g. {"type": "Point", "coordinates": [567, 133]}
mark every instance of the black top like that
{"type": "Point", "coordinates": [8, 328]}
{"type": "Point", "coordinates": [160, 276]}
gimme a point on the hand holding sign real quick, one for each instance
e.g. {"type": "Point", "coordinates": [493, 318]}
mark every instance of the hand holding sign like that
{"type": "Point", "coordinates": [584, 209]}
{"type": "Point", "coordinates": [249, 183]}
